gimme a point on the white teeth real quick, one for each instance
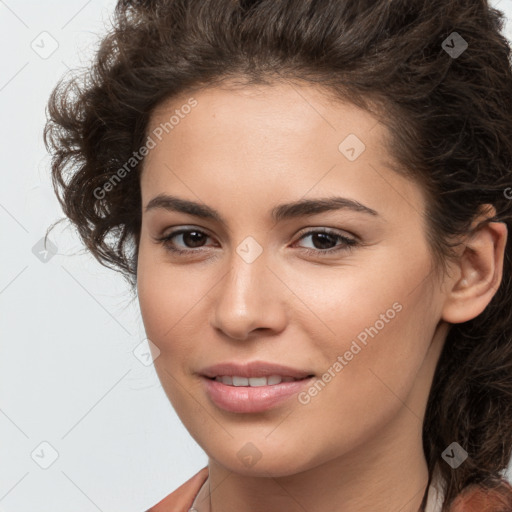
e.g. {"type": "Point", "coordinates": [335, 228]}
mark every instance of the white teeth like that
{"type": "Point", "coordinates": [234, 380]}
{"type": "Point", "coordinates": [258, 381]}
{"type": "Point", "coordinates": [240, 381]}
{"type": "Point", "coordinates": [274, 379]}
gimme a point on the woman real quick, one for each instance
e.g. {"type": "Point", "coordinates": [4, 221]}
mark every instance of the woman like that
{"type": "Point", "coordinates": [311, 200]}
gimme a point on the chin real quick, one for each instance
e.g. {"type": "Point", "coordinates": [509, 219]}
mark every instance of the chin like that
{"type": "Point", "coordinates": [265, 462]}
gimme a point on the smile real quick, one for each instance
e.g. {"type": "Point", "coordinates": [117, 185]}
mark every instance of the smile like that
{"type": "Point", "coordinates": [272, 380]}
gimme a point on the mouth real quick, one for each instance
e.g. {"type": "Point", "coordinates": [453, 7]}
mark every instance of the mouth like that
{"type": "Point", "coordinates": [239, 381]}
{"type": "Point", "coordinates": [252, 395]}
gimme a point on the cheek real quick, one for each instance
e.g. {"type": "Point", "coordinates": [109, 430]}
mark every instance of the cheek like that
{"type": "Point", "coordinates": [373, 365]}
{"type": "Point", "coordinates": [163, 299]}
{"type": "Point", "coordinates": [166, 302]}
{"type": "Point", "coordinates": [172, 303]}
{"type": "Point", "coordinates": [380, 326]}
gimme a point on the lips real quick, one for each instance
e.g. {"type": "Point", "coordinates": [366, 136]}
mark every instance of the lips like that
{"type": "Point", "coordinates": [225, 384]}
{"type": "Point", "coordinates": [248, 399]}
{"type": "Point", "coordinates": [254, 369]}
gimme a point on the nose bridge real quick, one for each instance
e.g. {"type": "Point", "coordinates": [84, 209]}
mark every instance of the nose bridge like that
{"type": "Point", "coordinates": [248, 297]}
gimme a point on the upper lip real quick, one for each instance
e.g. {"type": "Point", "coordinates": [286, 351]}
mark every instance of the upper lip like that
{"type": "Point", "coordinates": [253, 369]}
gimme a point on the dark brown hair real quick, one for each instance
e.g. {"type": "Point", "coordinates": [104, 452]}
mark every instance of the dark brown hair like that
{"type": "Point", "coordinates": [448, 109]}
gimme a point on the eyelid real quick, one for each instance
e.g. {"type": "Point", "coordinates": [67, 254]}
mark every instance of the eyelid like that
{"type": "Point", "coordinates": [307, 230]}
{"type": "Point", "coordinates": [327, 229]}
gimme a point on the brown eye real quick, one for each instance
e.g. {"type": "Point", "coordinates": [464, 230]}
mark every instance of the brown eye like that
{"type": "Point", "coordinates": [323, 237]}
{"type": "Point", "coordinates": [190, 239]}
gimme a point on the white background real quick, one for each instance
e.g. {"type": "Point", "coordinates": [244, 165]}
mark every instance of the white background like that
{"type": "Point", "coordinates": [68, 376]}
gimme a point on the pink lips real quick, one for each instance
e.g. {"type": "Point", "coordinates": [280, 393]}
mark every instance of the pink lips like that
{"type": "Point", "coordinates": [247, 399]}
{"type": "Point", "coordinates": [251, 399]}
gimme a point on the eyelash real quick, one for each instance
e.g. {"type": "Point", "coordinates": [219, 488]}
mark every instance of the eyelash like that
{"type": "Point", "coordinates": [348, 243]}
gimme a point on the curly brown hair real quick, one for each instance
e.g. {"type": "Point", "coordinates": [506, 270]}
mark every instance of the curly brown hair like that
{"type": "Point", "coordinates": [437, 73]}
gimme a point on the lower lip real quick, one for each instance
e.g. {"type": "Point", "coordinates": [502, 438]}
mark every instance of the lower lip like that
{"type": "Point", "coordinates": [251, 399]}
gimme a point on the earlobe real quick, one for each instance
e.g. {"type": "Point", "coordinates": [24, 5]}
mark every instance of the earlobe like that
{"type": "Point", "coordinates": [480, 273]}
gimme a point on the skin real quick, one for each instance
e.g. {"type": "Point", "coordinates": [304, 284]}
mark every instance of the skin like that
{"type": "Point", "coordinates": [357, 443]}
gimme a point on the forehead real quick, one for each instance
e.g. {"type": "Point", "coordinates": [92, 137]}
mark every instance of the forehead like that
{"type": "Point", "coordinates": [262, 111]}
{"type": "Point", "coordinates": [270, 142]}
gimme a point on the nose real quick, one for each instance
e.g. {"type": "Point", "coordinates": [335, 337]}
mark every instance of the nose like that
{"type": "Point", "coordinates": [249, 298]}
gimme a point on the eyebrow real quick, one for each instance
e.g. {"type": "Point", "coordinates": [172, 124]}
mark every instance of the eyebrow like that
{"type": "Point", "coordinates": [301, 208]}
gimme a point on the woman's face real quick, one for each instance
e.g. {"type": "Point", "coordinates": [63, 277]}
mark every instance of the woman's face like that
{"type": "Point", "coordinates": [361, 315]}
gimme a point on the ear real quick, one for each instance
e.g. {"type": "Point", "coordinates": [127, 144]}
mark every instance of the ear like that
{"type": "Point", "coordinates": [479, 270]}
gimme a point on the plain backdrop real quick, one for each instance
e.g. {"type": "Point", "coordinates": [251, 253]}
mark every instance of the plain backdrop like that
{"type": "Point", "coordinates": [84, 422]}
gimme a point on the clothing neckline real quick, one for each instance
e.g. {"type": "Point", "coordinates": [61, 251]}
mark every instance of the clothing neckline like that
{"type": "Point", "coordinates": [434, 502]}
